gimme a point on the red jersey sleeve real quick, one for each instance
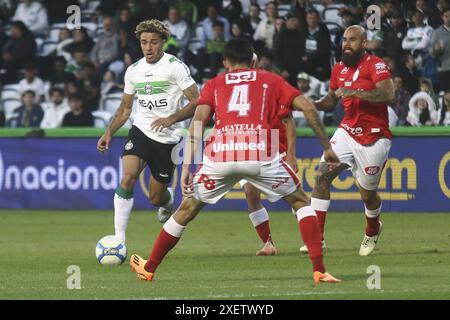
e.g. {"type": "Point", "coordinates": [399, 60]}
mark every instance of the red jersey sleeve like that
{"type": "Point", "coordinates": [285, 93]}
{"type": "Point", "coordinates": [333, 82]}
{"type": "Point", "coordinates": [207, 95]}
{"type": "Point", "coordinates": [379, 70]}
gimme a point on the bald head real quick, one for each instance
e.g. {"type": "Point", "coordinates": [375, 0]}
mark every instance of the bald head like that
{"type": "Point", "coordinates": [353, 45]}
{"type": "Point", "coordinates": [357, 30]}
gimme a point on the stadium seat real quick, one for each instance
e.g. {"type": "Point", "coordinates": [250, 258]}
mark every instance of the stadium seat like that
{"type": "Point", "coordinates": [101, 118]}
{"type": "Point", "coordinates": [53, 34]}
{"type": "Point", "coordinates": [331, 15]}
{"type": "Point", "coordinates": [319, 8]}
{"type": "Point", "coordinates": [8, 93]}
{"type": "Point", "coordinates": [9, 105]}
{"type": "Point", "coordinates": [47, 47]}
{"type": "Point", "coordinates": [92, 5]}
{"type": "Point", "coordinates": [90, 26]}
{"type": "Point", "coordinates": [111, 102]}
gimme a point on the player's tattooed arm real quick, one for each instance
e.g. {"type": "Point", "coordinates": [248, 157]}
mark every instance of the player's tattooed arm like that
{"type": "Point", "coordinates": [328, 102]}
{"type": "Point", "coordinates": [187, 112]}
{"type": "Point", "coordinates": [383, 93]}
{"type": "Point", "coordinates": [291, 137]}
{"type": "Point", "coordinates": [117, 121]}
{"type": "Point", "coordinates": [301, 103]}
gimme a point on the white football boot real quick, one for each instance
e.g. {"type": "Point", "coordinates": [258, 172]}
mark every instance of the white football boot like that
{"type": "Point", "coordinates": [304, 249]}
{"type": "Point", "coordinates": [164, 213]}
{"type": "Point", "coordinates": [369, 243]}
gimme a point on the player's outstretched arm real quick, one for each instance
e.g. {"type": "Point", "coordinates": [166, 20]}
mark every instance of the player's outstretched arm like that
{"type": "Point", "coordinates": [291, 137]}
{"type": "Point", "coordinates": [118, 120]}
{"type": "Point", "coordinates": [193, 141]}
{"type": "Point", "coordinates": [187, 112]}
{"type": "Point", "coordinates": [327, 102]}
{"type": "Point", "coordinates": [301, 103]}
{"type": "Point", "coordinates": [383, 93]}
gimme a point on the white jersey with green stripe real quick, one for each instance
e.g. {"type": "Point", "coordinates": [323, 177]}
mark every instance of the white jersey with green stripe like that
{"type": "Point", "coordinates": [159, 89]}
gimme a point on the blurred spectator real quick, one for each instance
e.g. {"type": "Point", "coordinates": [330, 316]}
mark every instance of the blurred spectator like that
{"type": "Point", "coordinates": [279, 25]}
{"type": "Point", "coordinates": [432, 18]}
{"type": "Point", "coordinates": [402, 96]}
{"type": "Point", "coordinates": [418, 38]}
{"type": "Point", "coordinates": [317, 47]}
{"type": "Point", "coordinates": [393, 36]}
{"type": "Point", "coordinates": [301, 7]}
{"type": "Point", "coordinates": [77, 116]}
{"type": "Point", "coordinates": [72, 87]}
{"type": "Point", "coordinates": [125, 21]}
{"type": "Point", "coordinates": [90, 86]}
{"type": "Point", "coordinates": [422, 110]}
{"type": "Point", "coordinates": [253, 19]}
{"type": "Point", "coordinates": [64, 38]}
{"type": "Point", "coordinates": [107, 8]}
{"type": "Point", "coordinates": [55, 110]}
{"type": "Point", "coordinates": [105, 49]}
{"type": "Point", "coordinates": [310, 87]}
{"type": "Point", "coordinates": [109, 84]}
{"type": "Point", "coordinates": [128, 44]}
{"type": "Point", "coordinates": [214, 48]}
{"type": "Point", "coordinates": [32, 82]}
{"type": "Point", "coordinates": [180, 31]}
{"type": "Point", "coordinates": [206, 25]}
{"type": "Point", "coordinates": [2, 119]}
{"type": "Point", "coordinates": [18, 50]}
{"type": "Point", "coordinates": [188, 11]}
{"type": "Point", "coordinates": [237, 31]}
{"type": "Point", "coordinates": [266, 28]}
{"type": "Point", "coordinates": [265, 62]}
{"type": "Point", "coordinates": [409, 73]}
{"type": "Point", "coordinates": [59, 76]}
{"type": "Point", "coordinates": [156, 9]}
{"type": "Point", "coordinates": [34, 15]}
{"type": "Point", "coordinates": [79, 57]}
{"type": "Point", "coordinates": [29, 114]}
{"type": "Point", "coordinates": [425, 85]}
{"type": "Point", "coordinates": [440, 50]}
{"type": "Point", "coordinates": [81, 41]}
{"type": "Point", "coordinates": [288, 49]}
{"type": "Point", "coordinates": [284, 7]}
{"type": "Point", "coordinates": [6, 10]}
{"type": "Point", "coordinates": [231, 9]}
{"type": "Point", "coordinates": [445, 111]}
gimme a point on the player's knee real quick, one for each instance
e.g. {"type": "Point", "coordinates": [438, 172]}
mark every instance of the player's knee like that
{"type": "Point", "coordinates": [369, 197]}
{"type": "Point", "coordinates": [156, 198]}
{"type": "Point", "coordinates": [253, 198]}
{"type": "Point", "coordinates": [128, 181]}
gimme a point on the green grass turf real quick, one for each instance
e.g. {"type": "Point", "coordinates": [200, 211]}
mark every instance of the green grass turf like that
{"type": "Point", "coordinates": [216, 258]}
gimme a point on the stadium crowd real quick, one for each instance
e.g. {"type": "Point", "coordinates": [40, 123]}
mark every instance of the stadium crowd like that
{"type": "Point", "coordinates": [55, 74]}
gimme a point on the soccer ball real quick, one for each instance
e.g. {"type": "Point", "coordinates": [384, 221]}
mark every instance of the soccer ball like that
{"type": "Point", "coordinates": [111, 251]}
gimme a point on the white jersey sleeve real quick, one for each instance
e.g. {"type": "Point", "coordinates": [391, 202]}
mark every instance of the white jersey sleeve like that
{"type": "Point", "coordinates": [128, 83]}
{"type": "Point", "coordinates": [182, 75]}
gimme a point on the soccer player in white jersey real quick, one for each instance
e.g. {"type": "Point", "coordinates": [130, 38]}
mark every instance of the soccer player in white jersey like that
{"type": "Point", "coordinates": [159, 80]}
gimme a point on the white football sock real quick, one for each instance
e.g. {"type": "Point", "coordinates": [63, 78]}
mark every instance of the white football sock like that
{"type": "Point", "coordinates": [259, 216]}
{"type": "Point", "coordinates": [122, 210]}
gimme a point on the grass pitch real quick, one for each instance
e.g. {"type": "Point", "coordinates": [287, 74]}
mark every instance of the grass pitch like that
{"type": "Point", "coordinates": [216, 259]}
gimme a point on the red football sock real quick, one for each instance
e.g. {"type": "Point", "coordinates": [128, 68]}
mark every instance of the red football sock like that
{"type": "Point", "coordinates": [163, 244]}
{"type": "Point", "coordinates": [310, 232]}
{"type": "Point", "coordinates": [321, 215]}
{"type": "Point", "coordinates": [373, 226]}
{"type": "Point", "coordinates": [263, 231]}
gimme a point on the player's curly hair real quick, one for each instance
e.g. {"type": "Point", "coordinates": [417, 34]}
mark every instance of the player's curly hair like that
{"type": "Point", "coordinates": [153, 26]}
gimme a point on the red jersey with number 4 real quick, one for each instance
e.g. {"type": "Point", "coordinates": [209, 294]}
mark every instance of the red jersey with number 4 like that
{"type": "Point", "coordinates": [248, 105]}
{"type": "Point", "coordinates": [366, 122]}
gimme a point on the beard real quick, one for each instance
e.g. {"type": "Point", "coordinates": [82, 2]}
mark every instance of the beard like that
{"type": "Point", "coordinates": [351, 59]}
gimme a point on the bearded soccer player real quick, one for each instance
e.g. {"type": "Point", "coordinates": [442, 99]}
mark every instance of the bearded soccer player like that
{"type": "Point", "coordinates": [160, 81]}
{"type": "Point", "coordinates": [244, 102]}
{"type": "Point", "coordinates": [363, 140]}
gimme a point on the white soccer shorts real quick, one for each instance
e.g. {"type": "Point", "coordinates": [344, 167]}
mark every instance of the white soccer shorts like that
{"type": "Point", "coordinates": [213, 180]}
{"type": "Point", "coordinates": [366, 162]}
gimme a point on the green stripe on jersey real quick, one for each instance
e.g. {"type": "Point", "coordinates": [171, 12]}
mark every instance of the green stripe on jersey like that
{"type": "Point", "coordinates": [152, 87]}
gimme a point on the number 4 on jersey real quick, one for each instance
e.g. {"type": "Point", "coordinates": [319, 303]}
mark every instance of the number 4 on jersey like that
{"type": "Point", "coordinates": [239, 100]}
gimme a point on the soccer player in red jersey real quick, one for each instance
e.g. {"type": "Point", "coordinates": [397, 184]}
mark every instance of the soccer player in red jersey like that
{"type": "Point", "coordinates": [257, 212]}
{"type": "Point", "coordinates": [363, 140]}
{"type": "Point", "coordinates": [244, 102]}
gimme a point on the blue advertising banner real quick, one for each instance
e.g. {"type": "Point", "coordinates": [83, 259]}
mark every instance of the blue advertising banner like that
{"type": "Point", "coordinates": [68, 173]}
